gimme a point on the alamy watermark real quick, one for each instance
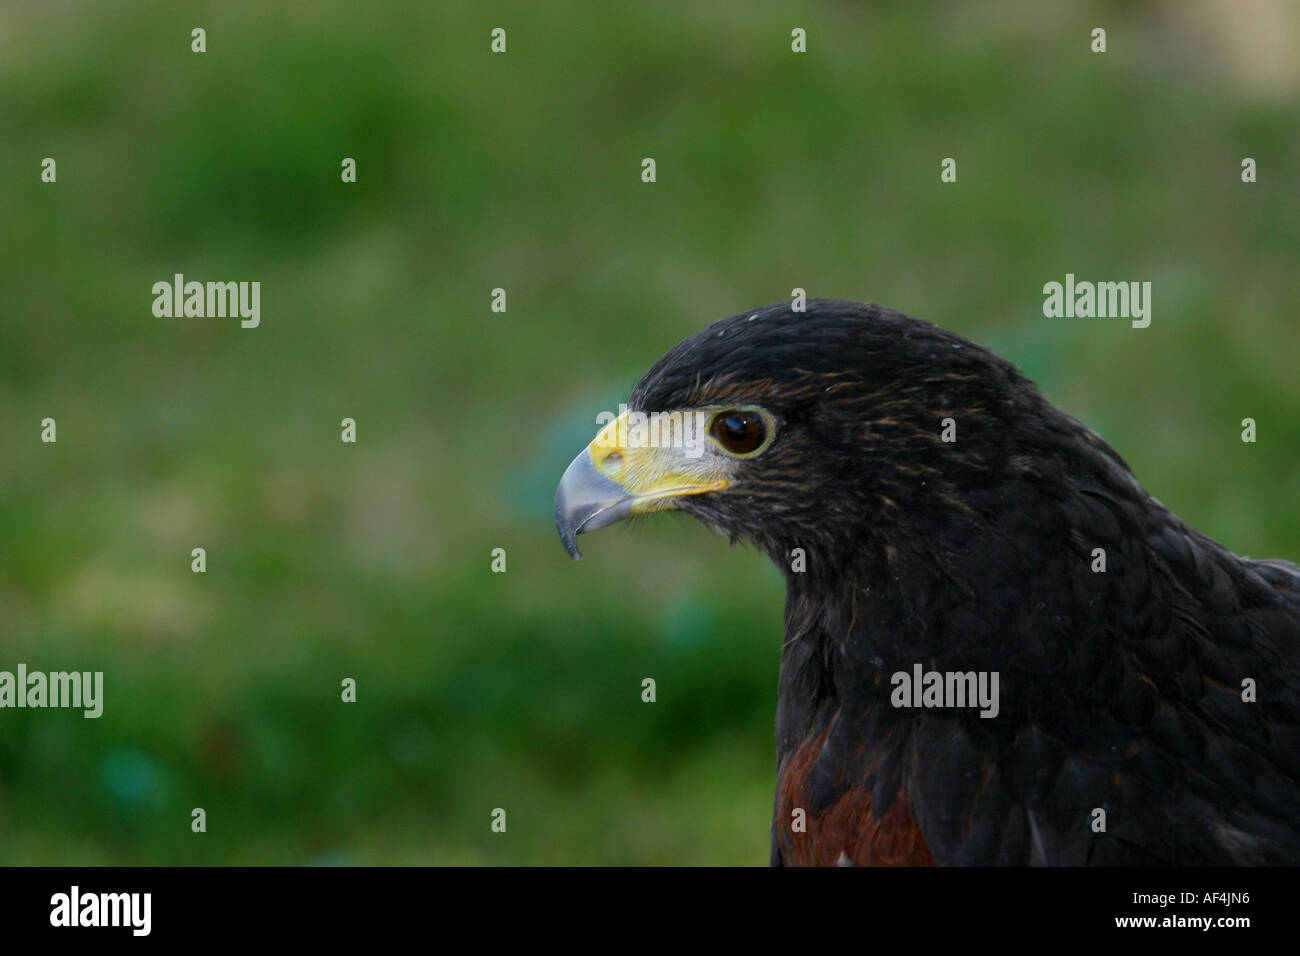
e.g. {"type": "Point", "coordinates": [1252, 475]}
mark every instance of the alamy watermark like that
{"type": "Point", "coordinates": [686, 430]}
{"type": "Point", "coordinates": [82, 690]}
{"type": "Point", "coordinates": [946, 689]}
{"type": "Point", "coordinates": [1101, 300]}
{"type": "Point", "coordinates": [210, 300]}
{"type": "Point", "coordinates": [75, 908]}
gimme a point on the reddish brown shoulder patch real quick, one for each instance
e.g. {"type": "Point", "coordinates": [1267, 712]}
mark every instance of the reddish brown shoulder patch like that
{"type": "Point", "coordinates": [846, 831]}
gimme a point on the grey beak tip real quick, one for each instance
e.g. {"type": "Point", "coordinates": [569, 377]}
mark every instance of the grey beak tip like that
{"type": "Point", "coordinates": [586, 500]}
{"type": "Point", "coordinates": [568, 538]}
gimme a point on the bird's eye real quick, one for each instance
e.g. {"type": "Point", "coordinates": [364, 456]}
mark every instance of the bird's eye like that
{"type": "Point", "coordinates": [739, 432]}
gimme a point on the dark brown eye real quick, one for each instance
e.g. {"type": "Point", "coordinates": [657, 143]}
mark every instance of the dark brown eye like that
{"type": "Point", "coordinates": [739, 432]}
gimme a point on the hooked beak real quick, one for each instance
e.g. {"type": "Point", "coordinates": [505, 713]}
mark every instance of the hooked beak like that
{"type": "Point", "coordinates": [586, 500]}
{"type": "Point", "coordinates": [618, 476]}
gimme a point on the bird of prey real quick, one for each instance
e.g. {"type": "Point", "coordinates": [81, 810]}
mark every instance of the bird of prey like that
{"type": "Point", "coordinates": [999, 648]}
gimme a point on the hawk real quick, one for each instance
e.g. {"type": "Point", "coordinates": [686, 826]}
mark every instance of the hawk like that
{"type": "Point", "coordinates": [945, 532]}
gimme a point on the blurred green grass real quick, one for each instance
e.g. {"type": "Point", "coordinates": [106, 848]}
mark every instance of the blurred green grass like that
{"type": "Point", "coordinates": [476, 171]}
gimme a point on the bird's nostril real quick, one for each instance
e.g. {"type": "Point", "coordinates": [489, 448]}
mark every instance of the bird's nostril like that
{"type": "Point", "coordinates": [613, 460]}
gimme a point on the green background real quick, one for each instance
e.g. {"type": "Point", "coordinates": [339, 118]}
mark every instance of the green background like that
{"type": "Point", "coordinates": [475, 171]}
